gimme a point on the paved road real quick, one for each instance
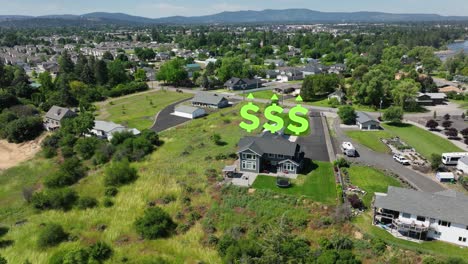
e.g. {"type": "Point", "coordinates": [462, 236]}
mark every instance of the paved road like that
{"type": "Point", "coordinates": [314, 145]}
{"type": "Point", "coordinates": [166, 120]}
{"type": "Point", "coordinates": [385, 162]}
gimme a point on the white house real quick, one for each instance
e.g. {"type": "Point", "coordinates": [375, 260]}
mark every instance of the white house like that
{"type": "Point", "coordinates": [462, 165]}
{"type": "Point", "coordinates": [423, 216]}
{"type": "Point", "coordinates": [105, 130]}
{"type": "Point", "coordinates": [189, 111]}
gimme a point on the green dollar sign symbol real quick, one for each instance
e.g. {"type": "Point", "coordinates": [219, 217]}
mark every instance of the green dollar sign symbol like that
{"type": "Point", "coordinates": [302, 120]}
{"type": "Point", "coordinates": [270, 116]}
{"type": "Point", "coordinates": [255, 121]}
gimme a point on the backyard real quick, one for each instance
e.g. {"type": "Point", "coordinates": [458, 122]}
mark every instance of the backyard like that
{"type": "Point", "coordinates": [138, 111]}
{"type": "Point", "coordinates": [319, 185]}
{"type": "Point", "coordinates": [371, 180]}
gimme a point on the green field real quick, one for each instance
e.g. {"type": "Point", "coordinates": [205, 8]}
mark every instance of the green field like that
{"type": "Point", "coordinates": [138, 111]}
{"type": "Point", "coordinates": [319, 185]}
{"type": "Point", "coordinates": [425, 142]}
{"type": "Point", "coordinates": [371, 180]}
{"type": "Point", "coordinates": [263, 94]}
{"type": "Point", "coordinates": [371, 139]}
{"type": "Point", "coordinates": [462, 104]}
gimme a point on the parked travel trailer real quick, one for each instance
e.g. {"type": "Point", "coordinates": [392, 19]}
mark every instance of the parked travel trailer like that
{"type": "Point", "coordinates": [348, 149]}
{"type": "Point", "coordinates": [452, 158]}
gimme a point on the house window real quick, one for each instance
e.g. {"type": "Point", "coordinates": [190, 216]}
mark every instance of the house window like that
{"type": "Point", "coordinates": [421, 218]}
{"type": "Point", "coordinates": [432, 220]}
{"type": "Point", "coordinates": [462, 239]}
{"type": "Point", "coordinates": [249, 165]}
{"type": "Point", "coordinates": [288, 167]}
{"type": "Point", "coordinates": [249, 156]}
{"type": "Point", "coordinates": [280, 156]}
{"type": "Point", "coordinates": [271, 155]}
{"type": "Point", "coordinates": [437, 233]}
{"type": "Point", "coordinates": [444, 223]}
{"type": "Point", "coordinates": [406, 215]}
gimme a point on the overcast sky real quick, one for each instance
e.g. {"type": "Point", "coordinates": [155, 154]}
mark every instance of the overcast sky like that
{"type": "Point", "coordinates": [164, 8]}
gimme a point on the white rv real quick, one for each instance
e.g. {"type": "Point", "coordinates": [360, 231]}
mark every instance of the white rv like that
{"type": "Point", "coordinates": [348, 149]}
{"type": "Point", "coordinates": [452, 158]}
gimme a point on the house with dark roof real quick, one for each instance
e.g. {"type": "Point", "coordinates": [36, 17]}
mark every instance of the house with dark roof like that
{"type": "Point", "coordinates": [242, 84]}
{"type": "Point", "coordinates": [431, 98]}
{"type": "Point", "coordinates": [55, 115]}
{"type": "Point", "coordinates": [204, 99]}
{"type": "Point", "coordinates": [269, 153]}
{"type": "Point", "coordinates": [423, 216]}
{"type": "Point", "coordinates": [366, 122]}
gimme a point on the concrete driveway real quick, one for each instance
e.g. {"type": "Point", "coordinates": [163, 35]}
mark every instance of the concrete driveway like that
{"type": "Point", "coordinates": [166, 120]}
{"type": "Point", "coordinates": [314, 145]}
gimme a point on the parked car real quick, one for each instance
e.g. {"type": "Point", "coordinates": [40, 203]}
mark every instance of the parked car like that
{"type": "Point", "coordinates": [401, 159]}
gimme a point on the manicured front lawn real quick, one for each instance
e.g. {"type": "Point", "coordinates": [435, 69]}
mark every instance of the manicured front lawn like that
{"type": "Point", "coordinates": [371, 139]}
{"type": "Point", "coordinates": [425, 142]}
{"type": "Point", "coordinates": [319, 185]}
{"type": "Point", "coordinates": [370, 180]}
{"type": "Point", "coordinates": [264, 94]}
{"type": "Point", "coordinates": [138, 111]}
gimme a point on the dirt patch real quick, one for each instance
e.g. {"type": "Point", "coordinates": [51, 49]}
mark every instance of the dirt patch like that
{"type": "Point", "coordinates": [13, 154]}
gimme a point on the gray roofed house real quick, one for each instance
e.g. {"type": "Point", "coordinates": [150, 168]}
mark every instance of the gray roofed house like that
{"type": "Point", "coordinates": [205, 99]}
{"type": "Point", "coordinates": [431, 98]}
{"type": "Point", "coordinates": [269, 153]}
{"type": "Point", "coordinates": [53, 118]}
{"type": "Point", "coordinates": [366, 122]}
{"type": "Point", "coordinates": [242, 84]}
{"type": "Point", "coordinates": [338, 94]}
{"type": "Point", "coordinates": [105, 129]}
{"type": "Point", "coordinates": [422, 215]}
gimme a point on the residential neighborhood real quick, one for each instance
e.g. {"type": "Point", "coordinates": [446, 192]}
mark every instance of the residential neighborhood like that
{"type": "Point", "coordinates": [261, 132]}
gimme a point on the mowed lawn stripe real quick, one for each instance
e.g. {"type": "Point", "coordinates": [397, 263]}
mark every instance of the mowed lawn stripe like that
{"type": "Point", "coordinates": [425, 142]}
{"type": "Point", "coordinates": [319, 185]}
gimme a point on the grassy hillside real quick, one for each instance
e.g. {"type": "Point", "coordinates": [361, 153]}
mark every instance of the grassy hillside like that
{"type": "Point", "coordinates": [138, 111]}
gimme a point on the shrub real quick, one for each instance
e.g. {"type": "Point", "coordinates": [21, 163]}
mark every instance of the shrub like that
{"type": "Point", "coordinates": [355, 202]}
{"type": "Point", "coordinates": [86, 147]}
{"type": "Point", "coordinates": [107, 202]}
{"type": "Point", "coordinates": [155, 223]}
{"type": "Point", "coordinates": [393, 114]}
{"type": "Point", "coordinates": [54, 199]}
{"type": "Point", "coordinates": [86, 202]}
{"type": "Point", "coordinates": [436, 161]}
{"type": "Point", "coordinates": [378, 246]}
{"type": "Point", "coordinates": [51, 235]}
{"type": "Point", "coordinates": [71, 171]}
{"type": "Point", "coordinates": [341, 163]}
{"type": "Point", "coordinates": [119, 137]}
{"type": "Point", "coordinates": [3, 260]}
{"type": "Point", "coordinates": [23, 129]}
{"type": "Point", "coordinates": [119, 173]}
{"type": "Point", "coordinates": [111, 191]}
{"type": "Point", "coordinates": [347, 115]}
{"type": "Point", "coordinates": [432, 124]}
{"type": "Point", "coordinates": [77, 256]}
{"type": "Point", "coordinates": [100, 251]}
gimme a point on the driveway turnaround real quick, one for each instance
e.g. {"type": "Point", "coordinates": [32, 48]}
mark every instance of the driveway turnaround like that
{"type": "Point", "coordinates": [385, 162]}
{"type": "Point", "coordinates": [314, 145]}
{"type": "Point", "coordinates": [165, 119]}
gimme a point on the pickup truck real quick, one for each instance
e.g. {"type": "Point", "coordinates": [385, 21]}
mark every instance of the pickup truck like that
{"type": "Point", "coordinates": [401, 159]}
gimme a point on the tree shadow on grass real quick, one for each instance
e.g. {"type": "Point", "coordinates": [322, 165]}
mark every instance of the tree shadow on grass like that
{"type": "Point", "coordinates": [395, 124]}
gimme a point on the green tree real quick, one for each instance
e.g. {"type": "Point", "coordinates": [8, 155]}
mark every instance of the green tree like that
{"type": "Point", "coordinates": [347, 114]}
{"type": "Point", "coordinates": [140, 75]}
{"type": "Point", "coordinates": [155, 223]}
{"type": "Point", "coordinates": [101, 72]}
{"type": "Point", "coordinates": [393, 114]}
{"type": "Point", "coordinates": [230, 67]}
{"type": "Point", "coordinates": [119, 173]}
{"type": "Point", "coordinates": [173, 72]}
{"type": "Point", "coordinates": [51, 235]}
{"type": "Point", "coordinates": [117, 73]}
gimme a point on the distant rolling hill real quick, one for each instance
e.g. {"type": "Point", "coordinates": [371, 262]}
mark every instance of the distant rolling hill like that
{"type": "Point", "coordinates": [264, 16]}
